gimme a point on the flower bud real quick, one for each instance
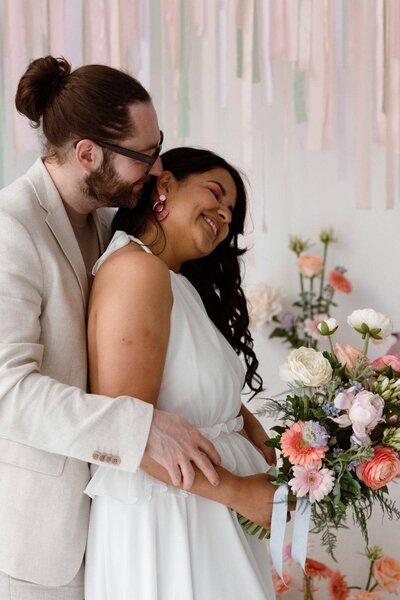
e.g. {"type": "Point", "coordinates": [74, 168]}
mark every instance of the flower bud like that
{"type": "Point", "coordinates": [328, 327]}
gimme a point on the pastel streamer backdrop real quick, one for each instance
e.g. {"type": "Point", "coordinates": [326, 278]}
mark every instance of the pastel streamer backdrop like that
{"type": "Point", "coordinates": [333, 66]}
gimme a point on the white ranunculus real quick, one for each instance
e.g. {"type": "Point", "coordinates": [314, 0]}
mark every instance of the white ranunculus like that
{"type": "Point", "coordinates": [328, 326]}
{"type": "Point", "coordinates": [307, 367]}
{"type": "Point", "coordinates": [265, 302]}
{"type": "Point", "coordinates": [373, 320]}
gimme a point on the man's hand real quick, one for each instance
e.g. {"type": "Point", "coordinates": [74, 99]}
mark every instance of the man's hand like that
{"type": "Point", "coordinates": [175, 444]}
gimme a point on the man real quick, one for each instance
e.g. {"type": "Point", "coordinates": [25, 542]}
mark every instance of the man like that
{"type": "Point", "coordinates": [102, 141]}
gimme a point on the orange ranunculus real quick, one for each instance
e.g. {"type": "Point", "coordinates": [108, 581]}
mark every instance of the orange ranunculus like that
{"type": "Point", "coordinates": [387, 573]}
{"type": "Point", "coordinates": [364, 595]}
{"type": "Point", "coordinates": [310, 265]}
{"type": "Point", "coordinates": [339, 282]}
{"type": "Point", "coordinates": [380, 470]}
{"type": "Point", "coordinates": [347, 355]}
{"type": "Point", "coordinates": [317, 569]}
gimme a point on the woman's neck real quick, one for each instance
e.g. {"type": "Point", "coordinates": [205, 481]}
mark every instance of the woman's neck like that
{"type": "Point", "coordinates": [158, 242]}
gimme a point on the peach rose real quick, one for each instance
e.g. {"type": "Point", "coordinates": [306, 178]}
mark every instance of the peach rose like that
{"type": "Point", "coordinates": [388, 360]}
{"type": "Point", "coordinates": [347, 355]}
{"type": "Point", "coordinates": [339, 282]}
{"type": "Point", "coordinates": [380, 470]}
{"type": "Point", "coordinates": [387, 573]}
{"type": "Point", "coordinates": [364, 595]}
{"type": "Point", "coordinates": [310, 265]}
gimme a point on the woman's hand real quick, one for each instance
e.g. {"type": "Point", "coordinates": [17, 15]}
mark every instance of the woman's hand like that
{"type": "Point", "coordinates": [253, 498]}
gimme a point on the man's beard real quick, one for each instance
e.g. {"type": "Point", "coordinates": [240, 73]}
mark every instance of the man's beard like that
{"type": "Point", "coordinates": [106, 188]}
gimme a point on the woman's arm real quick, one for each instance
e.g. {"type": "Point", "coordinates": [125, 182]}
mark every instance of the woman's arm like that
{"type": "Point", "coordinates": [257, 435]}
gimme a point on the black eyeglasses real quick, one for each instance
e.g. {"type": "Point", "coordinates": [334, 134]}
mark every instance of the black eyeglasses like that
{"type": "Point", "coordinates": [146, 158]}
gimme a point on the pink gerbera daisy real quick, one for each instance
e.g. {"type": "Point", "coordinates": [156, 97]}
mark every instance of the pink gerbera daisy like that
{"type": "Point", "coordinates": [315, 482]}
{"type": "Point", "coordinates": [297, 449]}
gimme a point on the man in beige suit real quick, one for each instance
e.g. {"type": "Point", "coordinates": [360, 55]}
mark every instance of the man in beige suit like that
{"type": "Point", "coordinates": [102, 140]}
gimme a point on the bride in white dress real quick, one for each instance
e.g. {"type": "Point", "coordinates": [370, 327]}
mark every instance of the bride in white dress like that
{"type": "Point", "coordinates": [167, 323]}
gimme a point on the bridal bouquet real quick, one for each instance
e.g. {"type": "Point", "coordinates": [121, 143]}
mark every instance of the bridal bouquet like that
{"type": "Point", "coordinates": [340, 433]}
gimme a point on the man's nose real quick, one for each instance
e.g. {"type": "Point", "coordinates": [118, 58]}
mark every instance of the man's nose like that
{"type": "Point", "coordinates": [156, 168]}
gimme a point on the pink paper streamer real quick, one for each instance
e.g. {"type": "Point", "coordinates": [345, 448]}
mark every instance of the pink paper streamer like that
{"type": "Point", "coordinates": [74, 32]}
{"type": "Point", "coordinates": [223, 52]}
{"type": "Point", "coordinates": [304, 35]}
{"type": "Point", "coordinates": [341, 94]}
{"type": "Point", "coordinates": [317, 80]}
{"type": "Point", "coordinates": [265, 45]}
{"type": "Point", "coordinates": [380, 116]}
{"type": "Point", "coordinates": [359, 31]}
{"type": "Point", "coordinates": [57, 28]}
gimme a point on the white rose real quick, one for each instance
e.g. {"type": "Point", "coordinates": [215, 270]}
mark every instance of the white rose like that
{"type": "Point", "coordinates": [306, 366]}
{"type": "Point", "coordinates": [328, 326]}
{"type": "Point", "coordinates": [265, 302]}
{"type": "Point", "coordinates": [370, 321]}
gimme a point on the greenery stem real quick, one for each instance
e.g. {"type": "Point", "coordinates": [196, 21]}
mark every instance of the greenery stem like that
{"type": "Point", "coordinates": [308, 595]}
{"type": "Point", "coordinates": [311, 296]}
{"type": "Point", "coordinates": [301, 286]}
{"type": "Point", "coordinates": [305, 407]}
{"type": "Point", "coordinates": [331, 346]}
{"type": "Point", "coordinates": [371, 566]}
{"type": "Point", "coordinates": [366, 344]}
{"type": "Point", "coordinates": [321, 287]}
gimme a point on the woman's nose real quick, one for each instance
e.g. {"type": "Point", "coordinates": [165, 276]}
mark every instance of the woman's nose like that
{"type": "Point", "coordinates": [225, 214]}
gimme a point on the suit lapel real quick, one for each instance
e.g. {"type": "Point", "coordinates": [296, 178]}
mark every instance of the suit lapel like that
{"type": "Point", "coordinates": [58, 222]}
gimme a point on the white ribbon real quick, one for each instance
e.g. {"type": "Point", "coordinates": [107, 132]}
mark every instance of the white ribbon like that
{"type": "Point", "coordinates": [278, 527]}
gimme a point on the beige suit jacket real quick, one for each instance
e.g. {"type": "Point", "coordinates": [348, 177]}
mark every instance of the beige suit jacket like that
{"type": "Point", "coordinates": [50, 428]}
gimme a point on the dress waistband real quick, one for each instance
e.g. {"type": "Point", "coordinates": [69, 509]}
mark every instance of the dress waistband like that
{"type": "Point", "coordinates": [235, 424]}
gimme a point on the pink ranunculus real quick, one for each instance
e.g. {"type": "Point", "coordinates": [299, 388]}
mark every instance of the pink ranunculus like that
{"type": "Point", "coordinates": [388, 360]}
{"type": "Point", "coordinates": [383, 467]}
{"type": "Point", "coordinates": [347, 355]}
{"type": "Point", "coordinates": [310, 265]}
{"type": "Point", "coordinates": [311, 326]}
{"type": "Point", "coordinates": [365, 413]}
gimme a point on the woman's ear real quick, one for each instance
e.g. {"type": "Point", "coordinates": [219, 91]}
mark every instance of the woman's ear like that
{"type": "Point", "coordinates": [165, 182]}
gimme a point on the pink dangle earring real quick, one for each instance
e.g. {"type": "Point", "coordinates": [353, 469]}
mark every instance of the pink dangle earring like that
{"type": "Point", "coordinates": [159, 209]}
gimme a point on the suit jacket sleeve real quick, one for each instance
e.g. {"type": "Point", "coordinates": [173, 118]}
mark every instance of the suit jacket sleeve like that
{"type": "Point", "coordinates": [35, 409]}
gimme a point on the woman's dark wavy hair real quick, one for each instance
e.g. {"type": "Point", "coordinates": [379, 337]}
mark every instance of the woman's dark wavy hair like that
{"type": "Point", "coordinates": [216, 277]}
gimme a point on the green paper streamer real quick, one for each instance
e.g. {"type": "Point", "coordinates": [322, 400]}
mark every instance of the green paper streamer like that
{"type": "Point", "coordinates": [256, 75]}
{"type": "Point", "coordinates": [299, 96]}
{"type": "Point", "coordinates": [239, 53]}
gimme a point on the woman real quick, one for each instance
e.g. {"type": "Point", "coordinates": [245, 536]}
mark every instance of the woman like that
{"type": "Point", "coordinates": [167, 320]}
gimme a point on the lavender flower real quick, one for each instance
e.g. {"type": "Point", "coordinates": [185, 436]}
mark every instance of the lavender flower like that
{"type": "Point", "coordinates": [288, 321]}
{"type": "Point", "coordinates": [315, 434]}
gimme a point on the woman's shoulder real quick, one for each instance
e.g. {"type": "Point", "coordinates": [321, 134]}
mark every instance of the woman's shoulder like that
{"type": "Point", "coordinates": [129, 268]}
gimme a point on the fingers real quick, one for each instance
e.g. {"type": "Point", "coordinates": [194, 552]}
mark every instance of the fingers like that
{"type": "Point", "coordinates": [188, 475]}
{"type": "Point", "coordinates": [202, 461]}
{"type": "Point", "coordinates": [269, 455]}
{"type": "Point", "coordinates": [208, 448]}
{"type": "Point", "coordinates": [175, 473]}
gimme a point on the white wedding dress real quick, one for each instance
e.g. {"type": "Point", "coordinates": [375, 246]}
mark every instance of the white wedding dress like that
{"type": "Point", "coordinates": [150, 541]}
